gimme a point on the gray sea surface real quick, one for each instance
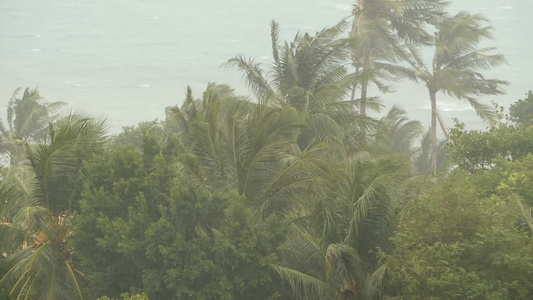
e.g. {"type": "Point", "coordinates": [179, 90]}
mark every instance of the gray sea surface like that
{"type": "Point", "coordinates": [126, 60]}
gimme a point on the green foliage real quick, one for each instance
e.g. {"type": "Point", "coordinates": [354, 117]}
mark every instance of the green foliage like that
{"type": "Point", "coordinates": [38, 204]}
{"type": "Point", "coordinates": [4, 294]}
{"type": "Point", "coordinates": [111, 185]}
{"type": "Point", "coordinates": [293, 196]}
{"type": "Point", "coordinates": [127, 296]}
{"type": "Point", "coordinates": [470, 238]}
{"type": "Point", "coordinates": [461, 241]}
{"type": "Point", "coordinates": [56, 161]}
{"type": "Point", "coordinates": [203, 250]}
{"type": "Point", "coordinates": [522, 110]}
{"type": "Point", "coordinates": [422, 157]}
{"type": "Point", "coordinates": [29, 116]}
{"type": "Point", "coordinates": [179, 238]}
{"type": "Point", "coordinates": [28, 119]}
{"type": "Point", "coordinates": [396, 133]}
{"type": "Point", "coordinates": [158, 232]}
{"type": "Point", "coordinates": [307, 77]}
{"type": "Point", "coordinates": [476, 149]}
{"type": "Point", "coordinates": [330, 254]}
{"type": "Point", "coordinates": [234, 144]}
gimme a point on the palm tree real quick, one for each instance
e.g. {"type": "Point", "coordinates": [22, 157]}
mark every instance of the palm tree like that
{"type": "Point", "coordinates": [330, 250]}
{"type": "Point", "coordinates": [27, 121]}
{"type": "Point", "coordinates": [422, 157]}
{"type": "Point", "coordinates": [39, 200]}
{"type": "Point", "coordinates": [396, 133]}
{"type": "Point", "coordinates": [328, 253]}
{"type": "Point", "coordinates": [307, 75]}
{"type": "Point", "coordinates": [304, 71]}
{"type": "Point", "coordinates": [234, 144]}
{"type": "Point", "coordinates": [455, 69]}
{"type": "Point", "coordinates": [378, 28]}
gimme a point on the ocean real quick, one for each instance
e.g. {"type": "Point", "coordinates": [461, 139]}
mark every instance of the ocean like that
{"type": "Point", "coordinates": [126, 60]}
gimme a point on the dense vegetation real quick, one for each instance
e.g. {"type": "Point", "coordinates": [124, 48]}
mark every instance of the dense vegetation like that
{"type": "Point", "coordinates": [294, 194]}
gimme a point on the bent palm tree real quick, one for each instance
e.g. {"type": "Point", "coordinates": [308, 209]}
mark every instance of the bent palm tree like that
{"type": "Point", "coordinates": [37, 212]}
{"type": "Point", "coordinates": [27, 121]}
{"type": "Point", "coordinates": [307, 75]}
{"type": "Point", "coordinates": [236, 144]}
{"type": "Point", "coordinates": [422, 157]}
{"type": "Point", "coordinates": [377, 30]}
{"type": "Point", "coordinates": [455, 68]}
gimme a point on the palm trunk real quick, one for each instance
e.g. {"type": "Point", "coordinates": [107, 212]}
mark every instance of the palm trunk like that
{"type": "Point", "coordinates": [444, 130]}
{"type": "Point", "coordinates": [352, 97]}
{"type": "Point", "coordinates": [364, 83]}
{"type": "Point", "coordinates": [433, 132]}
{"type": "Point", "coordinates": [354, 59]}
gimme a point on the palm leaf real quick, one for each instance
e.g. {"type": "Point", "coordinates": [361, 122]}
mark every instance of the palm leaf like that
{"type": "Point", "coordinates": [303, 285]}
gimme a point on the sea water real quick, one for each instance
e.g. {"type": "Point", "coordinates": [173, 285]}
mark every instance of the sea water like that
{"type": "Point", "coordinates": [126, 60]}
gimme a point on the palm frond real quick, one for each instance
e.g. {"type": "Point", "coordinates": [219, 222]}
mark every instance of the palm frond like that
{"type": "Point", "coordinates": [303, 285]}
{"type": "Point", "coordinates": [253, 76]}
{"type": "Point", "coordinates": [373, 287]}
{"type": "Point", "coordinates": [484, 111]}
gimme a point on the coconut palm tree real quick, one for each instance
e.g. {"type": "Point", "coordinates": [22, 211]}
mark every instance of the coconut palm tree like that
{"type": "Point", "coordinates": [339, 210]}
{"type": "Point", "coordinates": [455, 68]}
{"type": "Point", "coordinates": [234, 144]}
{"type": "Point", "coordinates": [306, 70]}
{"type": "Point", "coordinates": [328, 253]}
{"type": "Point", "coordinates": [308, 74]}
{"type": "Point", "coordinates": [27, 121]}
{"type": "Point", "coordinates": [378, 28]}
{"type": "Point", "coordinates": [396, 133]}
{"type": "Point", "coordinates": [422, 157]}
{"type": "Point", "coordinates": [39, 200]}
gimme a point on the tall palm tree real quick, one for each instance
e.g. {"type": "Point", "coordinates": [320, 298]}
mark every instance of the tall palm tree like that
{"type": "Point", "coordinates": [39, 200]}
{"type": "Point", "coordinates": [308, 75]}
{"type": "Point", "coordinates": [378, 28]}
{"type": "Point", "coordinates": [455, 68]}
{"type": "Point", "coordinates": [27, 121]}
{"type": "Point", "coordinates": [306, 70]}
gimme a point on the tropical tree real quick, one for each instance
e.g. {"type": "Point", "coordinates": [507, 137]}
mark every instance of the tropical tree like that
{"type": "Point", "coordinates": [396, 133]}
{"type": "Point", "coordinates": [422, 157]}
{"type": "Point", "coordinates": [522, 110]}
{"type": "Point", "coordinates": [160, 230]}
{"type": "Point", "coordinates": [378, 29]}
{"type": "Point", "coordinates": [308, 74]}
{"type": "Point", "coordinates": [466, 238]}
{"type": "Point", "coordinates": [339, 210]}
{"type": "Point", "coordinates": [27, 121]}
{"type": "Point", "coordinates": [304, 71]}
{"type": "Point", "coordinates": [470, 235]}
{"type": "Point", "coordinates": [510, 140]}
{"type": "Point", "coordinates": [330, 253]}
{"type": "Point", "coordinates": [252, 148]}
{"type": "Point", "coordinates": [39, 201]}
{"type": "Point", "coordinates": [455, 68]}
